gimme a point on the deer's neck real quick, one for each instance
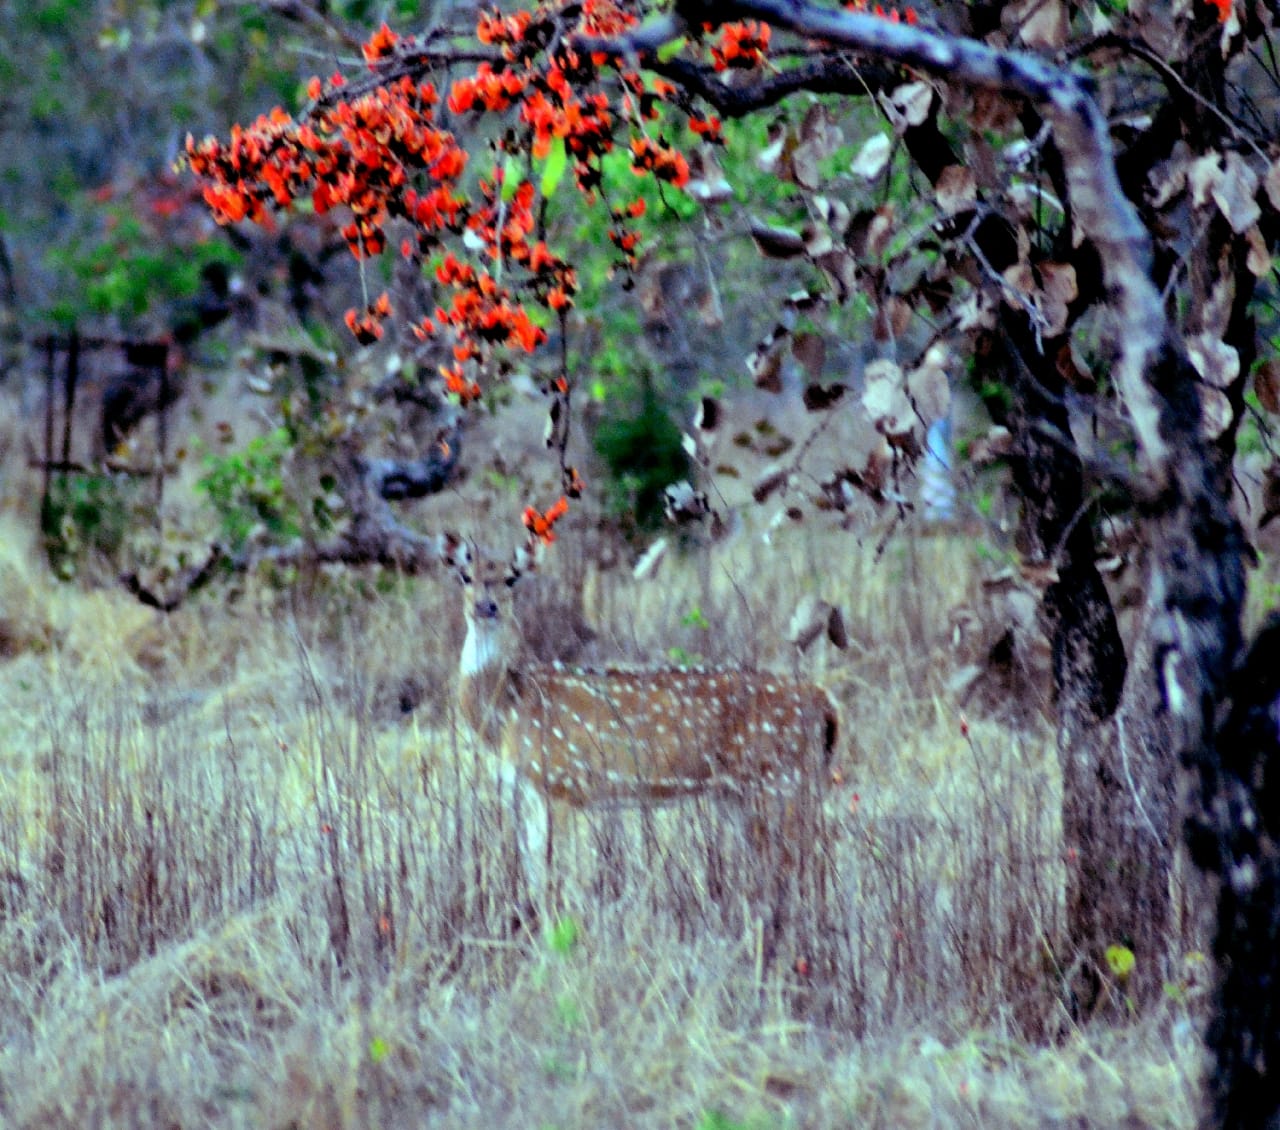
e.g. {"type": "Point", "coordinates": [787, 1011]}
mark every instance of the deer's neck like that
{"type": "Point", "coordinates": [483, 680]}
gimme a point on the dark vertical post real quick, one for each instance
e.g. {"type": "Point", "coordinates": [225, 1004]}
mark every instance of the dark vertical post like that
{"type": "Point", "coordinates": [162, 425]}
{"type": "Point", "coordinates": [50, 379]}
{"type": "Point", "coordinates": [69, 400]}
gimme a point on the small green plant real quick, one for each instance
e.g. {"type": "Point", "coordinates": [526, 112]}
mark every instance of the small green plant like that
{"type": "Point", "coordinates": [84, 514]}
{"type": "Point", "coordinates": [247, 489]}
{"type": "Point", "coordinates": [696, 618]}
{"type": "Point", "coordinates": [564, 935]}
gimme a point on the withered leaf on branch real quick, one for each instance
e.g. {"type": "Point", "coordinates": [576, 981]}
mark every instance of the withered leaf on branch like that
{"type": "Point", "coordinates": [928, 386]}
{"type": "Point", "coordinates": [771, 480]}
{"type": "Point", "coordinates": [956, 189]}
{"type": "Point", "coordinates": [1040, 23]}
{"type": "Point", "coordinates": [1169, 177]}
{"type": "Point", "coordinates": [833, 212]}
{"type": "Point", "coordinates": [869, 232]}
{"type": "Point", "coordinates": [707, 183]}
{"type": "Point", "coordinates": [819, 137]}
{"type": "Point", "coordinates": [765, 362]}
{"type": "Point", "coordinates": [818, 398]}
{"type": "Point", "coordinates": [1215, 412]}
{"type": "Point", "coordinates": [1216, 362]}
{"type": "Point", "coordinates": [988, 448]}
{"type": "Point", "coordinates": [708, 416]}
{"type": "Point", "coordinates": [908, 105]}
{"type": "Point", "coordinates": [884, 399]}
{"type": "Point", "coordinates": [777, 149]}
{"type": "Point", "coordinates": [872, 157]}
{"type": "Point", "coordinates": [1270, 496]}
{"type": "Point", "coordinates": [1258, 259]}
{"type": "Point", "coordinates": [893, 317]}
{"type": "Point", "coordinates": [1235, 194]}
{"type": "Point", "coordinates": [818, 240]}
{"type": "Point", "coordinates": [810, 350]}
{"type": "Point", "coordinates": [1266, 383]}
{"type": "Point", "coordinates": [1271, 182]}
{"type": "Point", "coordinates": [775, 242]}
{"type": "Point", "coordinates": [841, 269]}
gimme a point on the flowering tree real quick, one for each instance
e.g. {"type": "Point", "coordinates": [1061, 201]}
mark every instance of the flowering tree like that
{"type": "Point", "coordinates": [1086, 207]}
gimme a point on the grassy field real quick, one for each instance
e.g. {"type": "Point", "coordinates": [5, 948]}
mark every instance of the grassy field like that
{"type": "Point", "coordinates": [254, 873]}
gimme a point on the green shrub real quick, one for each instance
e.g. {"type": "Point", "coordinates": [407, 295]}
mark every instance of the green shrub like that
{"type": "Point", "coordinates": [641, 446]}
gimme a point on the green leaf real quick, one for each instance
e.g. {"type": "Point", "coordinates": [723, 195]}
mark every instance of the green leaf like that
{"type": "Point", "coordinates": [554, 166]}
{"type": "Point", "coordinates": [510, 179]}
{"type": "Point", "coordinates": [378, 1049]}
{"type": "Point", "coordinates": [671, 49]}
{"type": "Point", "coordinates": [1121, 961]}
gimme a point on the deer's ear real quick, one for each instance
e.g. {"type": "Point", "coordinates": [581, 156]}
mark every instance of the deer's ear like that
{"type": "Point", "coordinates": [458, 555]}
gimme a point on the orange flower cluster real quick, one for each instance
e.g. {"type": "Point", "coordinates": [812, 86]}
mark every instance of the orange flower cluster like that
{"type": "Point", "coordinates": [660, 159]}
{"type": "Point", "coordinates": [541, 525]}
{"type": "Point", "coordinates": [381, 46]}
{"type": "Point", "coordinates": [554, 110]}
{"type": "Point", "coordinates": [709, 129]}
{"type": "Point", "coordinates": [380, 157]}
{"type": "Point", "coordinates": [1224, 7]}
{"type": "Point", "coordinates": [487, 89]}
{"type": "Point", "coordinates": [367, 327]}
{"type": "Point", "coordinates": [744, 45]}
{"type": "Point", "coordinates": [907, 15]}
{"type": "Point", "coordinates": [493, 29]}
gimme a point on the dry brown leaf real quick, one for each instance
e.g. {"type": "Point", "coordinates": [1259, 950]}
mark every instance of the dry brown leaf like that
{"type": "Point", "coordinates": [772, 480]}
{"type": "Point", "coordinates": [818, 398]}
{"type": "Point", "coordinates": [775, 242]}
{"type": "Point", "coordinates": [992, 111]}
{"type": "Point", "coordinates": [810, 349]}
{"type": "Point", "coordinates": [1266, 383]}
{"type": "Point", "coordinates": [818, 240]}
{"type": "Point", "coordinates": [1234, 193]}
{"type": "Point", "coordinates": [707, 183]}
{"type": "Point", "coordinates": [880, 230]}
{"type": "Point", "coordinates": [1259, 258]}
{"type": "Point", "coordinates": [1202, 174]}
{"type": "Point", "coordinates": [842, 269]}
{"type": "Point", "coordinates": [893, 317]}
{"type": "Point", "coordinates": [765, 365]}
{"type": "Point", "coordinates": [975, 312]}
{"type": "Point", "coordinates": [819, 129]}
{"type": "Point", "coordinates": [909, 104]}
{"type": "Point", "coordinates": [1271, 182]}
{"type": "Point", "coordinates": [987, 449]}
{"type": "Point", "coordinates": [774, 158]}
{"type": "Point", "coordinates": [956, 189]}
{"type": "Point", "coordinates": [1043, 23]}
{"type": "Point", "coordinates": [872, 157]}
{"type": "Point", "coordinates": [834, 213]}
{"type": "Point", "coordinates": [1169, 177]}
{"type": "Point", "coordinates": [1215, 412]}
{"type": "Point", "coordinates": [928, 385]}
{"type": "Point", "coordinates": [1216, 362]}
{"type": "Point", "coordinates": [707, 418]}
{"type": "Point", "coordinates": [1058, 291]}
{"type": "Point", "coordinates": [885, 400]}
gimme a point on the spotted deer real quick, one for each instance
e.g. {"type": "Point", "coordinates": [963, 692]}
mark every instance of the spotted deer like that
{"type": "Point", "coordinates": [617, 735]}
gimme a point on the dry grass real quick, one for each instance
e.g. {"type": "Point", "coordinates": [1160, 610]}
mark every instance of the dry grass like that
{"type": "Point", "coordinates": [242, 886]}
